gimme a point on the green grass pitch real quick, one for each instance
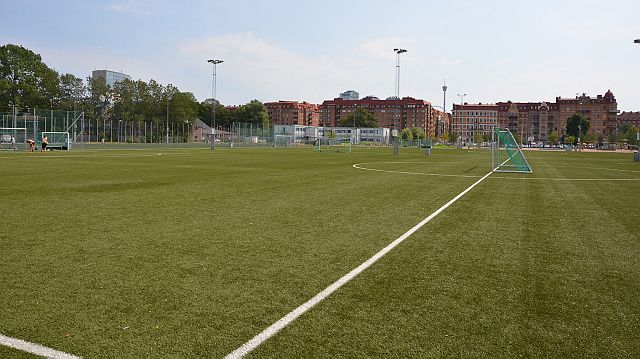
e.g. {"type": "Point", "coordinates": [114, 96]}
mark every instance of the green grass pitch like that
{"type": "Point", "coordinates": [127, 253]}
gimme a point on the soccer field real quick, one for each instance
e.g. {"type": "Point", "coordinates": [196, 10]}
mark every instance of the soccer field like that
{"type": "Point", "coordinates": [185, 252]}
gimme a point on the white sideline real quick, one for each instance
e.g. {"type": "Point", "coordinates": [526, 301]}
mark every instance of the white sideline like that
{"type": "Point", "coordinates": [247, 347]}
{"type": "Point", "coordinates": [34, 348]}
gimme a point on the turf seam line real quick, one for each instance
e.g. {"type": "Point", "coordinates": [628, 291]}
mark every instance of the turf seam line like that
{"type": "Point", "coordinates": [274, 328]}
{"type": "Point", "coordinates": [33, 348]}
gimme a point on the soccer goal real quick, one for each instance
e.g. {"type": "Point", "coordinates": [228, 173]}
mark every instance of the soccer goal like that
{"type": "Point", "coordinates": [282, 141]}
{"type": "Point", "coordinates": [13, 138]}
{"type": "Point", "coordinates": [506, 155]}
{"type": "Point", "coordinates": [58, 140]}
{"type": "Point", "coordinates": [329, 145]}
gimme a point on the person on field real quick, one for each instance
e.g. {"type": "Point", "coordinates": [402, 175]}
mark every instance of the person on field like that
{"type": "Point", "coordinates": [45, 142]}
{"type": "Point", "coordinates": [31, 145]}
{"type": "Point", "coordinates": [13, 143]}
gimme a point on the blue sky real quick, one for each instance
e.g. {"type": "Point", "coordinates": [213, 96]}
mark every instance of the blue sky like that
{"type": "Point", "coordinates": [299, 50]}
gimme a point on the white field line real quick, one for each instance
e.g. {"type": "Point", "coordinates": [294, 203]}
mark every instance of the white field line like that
{"type": "Point", "coordinates": [359, 166]}
{"type": "Point", "coordinates": [519, 178]}
{"type": "Point", "coordinates": [247, 347]}
{"type": "Point", "coordinates": [34, 348]}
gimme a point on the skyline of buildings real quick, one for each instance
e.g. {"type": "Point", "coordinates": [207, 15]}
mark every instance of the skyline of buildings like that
{"type": "Point", "coordinates": [535, 121]}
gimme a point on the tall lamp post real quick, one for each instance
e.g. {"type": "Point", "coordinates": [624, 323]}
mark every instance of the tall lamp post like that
{"type": "Point", "coordinates": [462, 96]}
{"type": "Point", "coordinates": [396, 129]}
{"type": "Point", "coordinates": [637, 41]}
{"type": "Point", "coordinates": [167, 118]}
{"type": "Point", "coordinates": [213, 96]}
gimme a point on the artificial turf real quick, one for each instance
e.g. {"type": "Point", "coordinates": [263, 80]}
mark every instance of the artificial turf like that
{"type": "Point", "coordinates": [185, 252]}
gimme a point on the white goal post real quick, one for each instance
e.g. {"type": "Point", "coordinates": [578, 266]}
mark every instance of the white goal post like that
{"type": "Point", "coordinates": [13, 138]}
{"type": "Point", "coordinates": [282, 140]}
{"type": "Point", "coordinates": [57, 140]}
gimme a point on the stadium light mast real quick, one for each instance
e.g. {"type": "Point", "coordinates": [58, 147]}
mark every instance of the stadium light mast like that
{"type": "Point", "coordinates": [398, 51]}
{"type": "Point", "coordinates": [213, 96]}
{"type": "Point", "coordinates": [444, 100]}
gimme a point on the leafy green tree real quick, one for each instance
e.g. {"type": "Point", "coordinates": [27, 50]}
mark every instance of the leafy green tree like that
{"type": "Point", "coordinates": [553, 137]}
{"type": "Point", "coordinates": [417, 133]}
{"type": "Point", "coordinates": [453, 137]}
{"type": "Point", "coordinates": [363, 119]}
{"type": "Point", "coordinates": [96, 104]}
{"type": "Point", "coordinates": [486, 137]}
{"type": "Point", "coordinates": [25, 79]}
{"type": "Point", "coordinates": [71, 92]}
{"type": "Point", "coordinates": [406, 134]}
{"type": "Point", "coordinates": [252, 112]}
{"type": "Point", "coordinates": [571, 139]}
{"type": "Point", "coordinates": [628, 132]}
{"type": "Point", "coordinates": [477, 138]}
{"type": "Point", "coordinates": [577, 119]}
{"type": "Point", "coordinates": [184, 107]}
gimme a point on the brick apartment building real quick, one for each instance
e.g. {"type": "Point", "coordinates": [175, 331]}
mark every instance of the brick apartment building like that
{"type": "Point", "coordinates": [293, 113]}
{"type": "Point", "coordinates": [534, 121]}
{"type": "Point", "coordinates": [632, 118]}
{"type": "Point", "coordinates": [408, 112]}
{"type": "Point", "coordinates": [471, 118]}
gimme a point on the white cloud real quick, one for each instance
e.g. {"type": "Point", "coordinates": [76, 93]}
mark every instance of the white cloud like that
{"type": "Point", "coordinates": [134, 7]}
{"type": "Point", "coordinates": [269, 72]}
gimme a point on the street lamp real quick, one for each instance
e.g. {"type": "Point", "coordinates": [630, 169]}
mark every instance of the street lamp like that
{"type": "Point", "coordinates": [579, 131]}
{"type": "Point", "coordinates": [398, 51]}
{"type": "Point", "coordinates": [462, 96]}
{"type": "Point", "coordinates": [167, 118]}
{"type": "Point", "coordinates": [213, 96]}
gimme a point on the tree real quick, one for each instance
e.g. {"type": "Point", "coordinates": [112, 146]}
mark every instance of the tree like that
{"type": "Point", "coordinates": [24, 79]}
{"type": "Point", "coordinates": [477, 138]}
{"type": "Point", "coordinates": [71, 92]}
{"type": "Point", "coordinates": [628, 132]}
{"type": "Point", "coordinates": [363, 119]}
{"type": "Point", "coordinates": [184, 107]}
{"type": "Point", "coordinates": [553, 137]}
{"type": "Point", "coordinates": [486, 137]}
{"type": "Point", "coordinates": [406, 134]}
{"type": "Point", "coordinates": [571, 139]}
{"type": "Point", "coordinates": [453, 137]}
{"type": "Point", "coordinates": [417, 133]}
{"type": "Point", "coordinates": [577, 119]}
{"type": "Point", "coordinates": [252, 112]}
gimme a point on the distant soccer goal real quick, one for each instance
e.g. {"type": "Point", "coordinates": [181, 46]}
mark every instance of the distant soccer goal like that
{"type": "Point", "coordinates": [58, 140]}
{"type": "Point", "coordinates": [333, 145]}
{"type": "Point", "coordinates": [282, 141]}
{"type": "Point", "coordinates": [13, 138]}
{"type": "Point", "coordinates": [506, 155]}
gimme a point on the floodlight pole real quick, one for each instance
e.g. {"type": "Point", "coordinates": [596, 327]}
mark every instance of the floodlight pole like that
{"type": "Point", "coordinates": [398, 51]}
{"type": "Point", "coordinates": [167, 118]}
{"type": "Point", "coordinates": [462, 96]}
{"type": "Point", "coordinates": [213, 96]}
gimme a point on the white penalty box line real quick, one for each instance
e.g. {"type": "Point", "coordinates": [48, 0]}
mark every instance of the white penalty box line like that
{"type": "Point", "coordinates": [33, 348]}
{"type": "Point", "coordinates": [256, 341]}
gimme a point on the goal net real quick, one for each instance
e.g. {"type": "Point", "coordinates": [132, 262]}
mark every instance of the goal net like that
{"type": "Point", "coordinates": [333, 145]}
{"type": "Point", "coordinates": [13, 138]}
{"type": "Point", "coordinates": [506, 155]}
{"type": "Point", "coordinates": [282, 141]}
{"type": "Point", "coordinates": [58, 140]}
